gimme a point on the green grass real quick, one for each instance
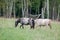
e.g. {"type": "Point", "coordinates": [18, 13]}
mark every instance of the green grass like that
{"type": "Point", "coordinates": [9, 32]}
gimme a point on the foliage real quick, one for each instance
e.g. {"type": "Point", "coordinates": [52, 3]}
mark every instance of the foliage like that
{"type": "Point", "coordinates": [34, 6]}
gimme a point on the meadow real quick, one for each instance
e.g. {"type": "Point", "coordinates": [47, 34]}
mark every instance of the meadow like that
{"type": "Point", "coordinates": [9, 32]}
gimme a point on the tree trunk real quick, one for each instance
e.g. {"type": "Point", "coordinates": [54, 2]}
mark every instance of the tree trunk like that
{"type": "Point", "coordinates": [48, 9]}
{"type": "Point", "coordinates": [22, 8]}
{"type": "Point", "coordinates": [4, 11]}
{"type": "Point", "coordinates": [7, 11]}
{"type": "Point", "coordinates": [14, 9]}
{"type": "Point", "coordinates": [58, 16]}
{"type": "Point", "coordinates": [26, 8]}
{"type": "Point", "coordinates": [53, 13]}
{"type": "Point", "coordinates": [0, 11]}
{"type": "Point", "coordinates": [38, 10]}
{"type": "Point", "coordinates": [10, 9]}
{"type": "Point", "coordinates": [42, 13]}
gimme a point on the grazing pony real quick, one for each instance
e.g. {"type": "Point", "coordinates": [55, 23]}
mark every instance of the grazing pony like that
{"type": "Point", "coordinates": [43, 22]}
{"type": "Point", "coordinates": [25, 21]}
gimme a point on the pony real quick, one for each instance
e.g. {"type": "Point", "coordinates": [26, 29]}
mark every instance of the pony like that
{"type": "Point", "coordinates": [43, 22]}
{"type": "Point", "coordinates": [25, 21]}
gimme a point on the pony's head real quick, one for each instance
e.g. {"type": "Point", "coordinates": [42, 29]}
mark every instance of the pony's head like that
{"type": "Point", "coordinates": [16, 22]}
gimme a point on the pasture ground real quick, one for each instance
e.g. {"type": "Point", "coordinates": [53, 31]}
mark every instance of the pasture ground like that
{"type": "Point", "coordinates": [9, 32]}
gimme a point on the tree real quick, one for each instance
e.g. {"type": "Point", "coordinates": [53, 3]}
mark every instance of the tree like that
{"type": "Point", "coordinates": [48, 9]}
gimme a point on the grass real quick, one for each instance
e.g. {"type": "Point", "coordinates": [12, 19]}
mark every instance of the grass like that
{"type": "Point", "coordinates": [9, 32]}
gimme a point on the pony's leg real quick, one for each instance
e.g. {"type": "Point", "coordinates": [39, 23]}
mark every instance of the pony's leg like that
{"type": "Point", "coordinates": [40, 26]}
{"type": "Point", "coordinates": [16, 24]}
{"type": "Point", "coordinates": [36, 26]}
{"type": "Point", "coordinates": [30, 27]}
{"type": "Point", "coordinates": [50, 26]}
{"type": "Point", "coordinates": [33, 27]}
{"type": "Point", "coordinates": [20, 26]}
